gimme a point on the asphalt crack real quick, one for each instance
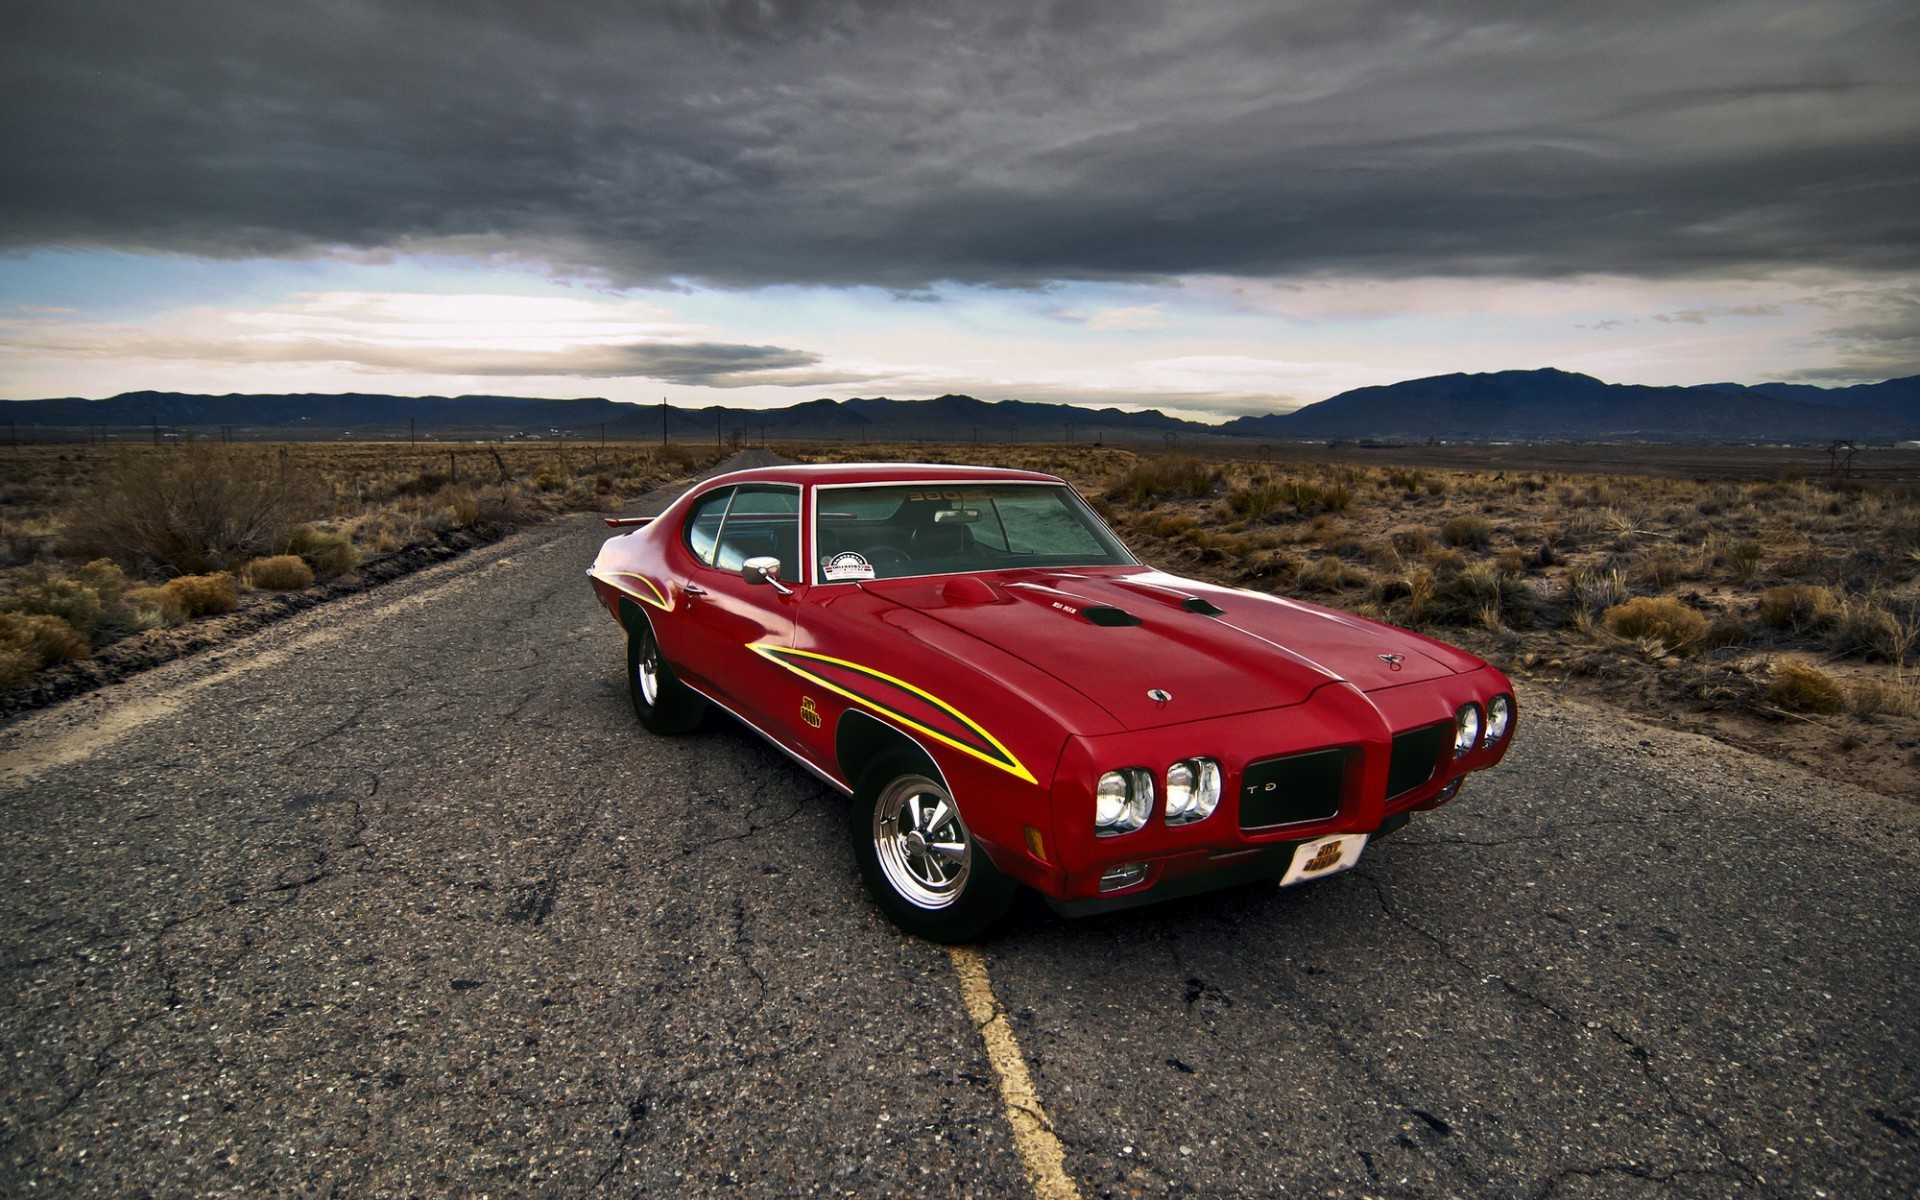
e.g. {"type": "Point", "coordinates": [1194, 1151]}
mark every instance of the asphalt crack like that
{"type": "Point", "coordinates": [633, 1112]}
{"type": "Point", "coordinates": [1640, 1056]}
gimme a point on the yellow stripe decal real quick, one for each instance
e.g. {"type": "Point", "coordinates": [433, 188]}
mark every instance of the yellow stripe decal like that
{"type": "Point", "coordinates": [988, 751]}
{"type": "Point", "coordinates": [652, 595]}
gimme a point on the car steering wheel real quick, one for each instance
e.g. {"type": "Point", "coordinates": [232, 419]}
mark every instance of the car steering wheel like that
{"type": "Point", "coordinates": [887, 556]}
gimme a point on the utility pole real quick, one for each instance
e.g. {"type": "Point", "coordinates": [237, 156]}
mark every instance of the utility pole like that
{"type": "Point", "coordinates": [719, 430]}
{"type": "Point", "coordinates": [409, 431]}
{"type": "Point", "coordinates": [156, 431]}
{"type": "Point", "coordinates": [663, 422]}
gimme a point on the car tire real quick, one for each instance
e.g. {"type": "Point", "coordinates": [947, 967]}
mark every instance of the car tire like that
{"type": "Point", "coordinates": [663, 704]}
{"type": "Point", "coordinates": [917, 857]}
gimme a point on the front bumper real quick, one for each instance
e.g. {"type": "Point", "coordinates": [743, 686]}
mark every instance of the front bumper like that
{"type": "Point", "coordinates": [1191, 875]}
{"type": "Point", "coordinates": [1252, 837]}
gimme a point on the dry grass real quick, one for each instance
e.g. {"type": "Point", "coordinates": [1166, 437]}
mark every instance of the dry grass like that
{"type": "Point", "coordinates": [1263, 498]}
{"type": "Point", "coordinates": [29, 641]}
{"type": "Point", "coordinates": [324, 554]}
{"type": "Point", "coordinates": [1799, 607]}
{"type": "Point", "coordinates": [1662, 620]}
{"type": "Point", "coordinates": [1896, 694]}
{"type": "Point", "coordinates": [1173, 477]}
{"type": "Point", "coordinates": [204, 595]}
{"type": "Point", "coordinates": [202, 508]}
{"type": "Point", "coordinates": [281, 573]}
{"type": "Point", "coordinates": [163, 604]}
{"type": "Point", "coordinates": [1867, 628]}
{"type": "Point", "coordinates": [92, 537]}
{"type": "Point", "coordinates": [1798, 687]}
{"type": "Point", "coordinates": [1474, 533]}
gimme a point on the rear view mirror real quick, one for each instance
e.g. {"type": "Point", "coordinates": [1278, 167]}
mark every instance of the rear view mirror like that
{"type": "Point", "coordinates": [956, 516]}
{"type": "Point", "coordinates": [765, 569]}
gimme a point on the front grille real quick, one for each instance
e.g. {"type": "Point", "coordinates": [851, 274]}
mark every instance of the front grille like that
{"type": "Point", "coordinates": [1294, 789]}
{"type": "Point", "coordinates": [1416, 756]}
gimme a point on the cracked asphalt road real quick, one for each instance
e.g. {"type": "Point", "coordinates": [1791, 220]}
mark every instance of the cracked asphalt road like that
{"type": "Point", "coordinates": [393, 898]}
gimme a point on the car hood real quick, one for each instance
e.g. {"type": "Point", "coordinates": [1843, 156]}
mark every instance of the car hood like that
{"type": "Point", "coordinates": [1152, 649]}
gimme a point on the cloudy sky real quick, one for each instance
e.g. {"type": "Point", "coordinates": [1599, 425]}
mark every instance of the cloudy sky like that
{"type": "Point", "coordinates": [1211, 207]}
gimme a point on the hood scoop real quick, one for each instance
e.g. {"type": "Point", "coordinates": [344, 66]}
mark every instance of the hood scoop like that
{"type": "Point", "coordinates": [967, 589]}
{"type": "Point", "coordinates": [1172, 597]}
{"type": "Point", "coordinates": [1074, 605]}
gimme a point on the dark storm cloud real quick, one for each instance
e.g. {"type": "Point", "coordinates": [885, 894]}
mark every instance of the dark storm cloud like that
{"type": "Point", "coordinates": [1008, 142]}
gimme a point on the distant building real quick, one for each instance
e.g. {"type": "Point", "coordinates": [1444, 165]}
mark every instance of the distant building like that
{"type": "Point", "coordinates": [1906, 445]}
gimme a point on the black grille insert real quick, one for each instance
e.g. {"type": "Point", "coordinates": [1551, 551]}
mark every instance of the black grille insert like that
{"type": "Point", "coordinates": [1293, 790]}
{"type": "Point", "coordinates": [1416, 756]}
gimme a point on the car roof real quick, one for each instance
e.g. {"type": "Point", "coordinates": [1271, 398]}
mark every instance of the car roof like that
{"type": "Point", "coordinates": [830, 473]}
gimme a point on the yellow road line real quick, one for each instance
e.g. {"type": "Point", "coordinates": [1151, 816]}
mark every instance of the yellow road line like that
{"type": "Point", "coordinates": [1040, 1151]}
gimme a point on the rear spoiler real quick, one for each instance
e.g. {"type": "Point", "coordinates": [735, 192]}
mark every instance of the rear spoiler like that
{"type": "Point", "coordinates": [626, 522]}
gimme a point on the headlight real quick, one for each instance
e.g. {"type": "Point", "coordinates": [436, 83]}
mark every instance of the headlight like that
{"type": "Point", "coordinates": [1122, 801]}
{"type": "Point", "coordinates": [1193, 790]}
{"type": "Point", "coordinates": [1466, 729]}
{"type": "Point", "coordinates": [1499, 718]}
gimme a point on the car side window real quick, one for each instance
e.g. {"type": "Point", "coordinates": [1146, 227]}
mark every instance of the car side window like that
{"type": "Point", "coordinates": [763, 521]}
{"type": "Point", "coordinates": [703, 524]}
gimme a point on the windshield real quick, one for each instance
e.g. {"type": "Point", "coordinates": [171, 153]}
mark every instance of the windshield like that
{"type": "Point", "coordinates": [896, 530]}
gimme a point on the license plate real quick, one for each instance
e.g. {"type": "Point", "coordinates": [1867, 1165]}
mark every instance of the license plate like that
{"type": "Point", "coordinates": [1324, 856]}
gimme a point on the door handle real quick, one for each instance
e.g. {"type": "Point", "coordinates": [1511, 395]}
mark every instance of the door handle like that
{"type": "Point", "coordinates": [693, 589]}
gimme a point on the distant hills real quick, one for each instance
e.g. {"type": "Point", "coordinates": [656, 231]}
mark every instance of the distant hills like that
{"type": "Point", "coordinates": [1541, 405]}
{"type": "Point", "coordinates": [1561, 405]}
{"type": "Point", "coordinates": [947, 418]}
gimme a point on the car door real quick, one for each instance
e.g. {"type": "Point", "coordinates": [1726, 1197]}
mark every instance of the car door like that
{"type": "Point", "coordinates": [725, 616]}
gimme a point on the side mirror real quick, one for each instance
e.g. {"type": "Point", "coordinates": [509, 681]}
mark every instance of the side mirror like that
{"type": "Point", "coordinates": [765, 569]}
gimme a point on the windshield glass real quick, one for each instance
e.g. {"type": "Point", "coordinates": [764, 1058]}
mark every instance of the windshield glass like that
{"type": "Point", "coordinates": [893, 531]}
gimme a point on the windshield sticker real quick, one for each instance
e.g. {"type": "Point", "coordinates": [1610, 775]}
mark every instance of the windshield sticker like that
{"type": "Point", "coordinates": [848, 565]}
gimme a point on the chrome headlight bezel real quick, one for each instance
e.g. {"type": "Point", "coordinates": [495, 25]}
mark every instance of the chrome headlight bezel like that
{"type": "Point", "coordinates": [1468, 723]}
{"type": "Point", "coordinates": [1499, 720]}
{"type": "Point", "coordinates": [1193, 790]}
{"type": "Point", "coordinates": [1122, 801]}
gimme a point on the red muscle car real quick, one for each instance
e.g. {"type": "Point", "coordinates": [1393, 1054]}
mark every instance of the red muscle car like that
{"type": "Point", "coordinates": [1010, 697]}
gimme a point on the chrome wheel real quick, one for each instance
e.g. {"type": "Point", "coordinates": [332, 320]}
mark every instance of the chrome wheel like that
{"type": "Point", "coordinates": [661, 702]}
{"type": "Point", "coordinates": [646, 674]}
{"type": "Point", "coordinates": [923, 848]}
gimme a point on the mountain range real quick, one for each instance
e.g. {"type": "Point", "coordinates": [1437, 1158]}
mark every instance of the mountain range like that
{"type": "Point", "coordinates": [1550, 404]}
{"type": "Point", "coordinates": [1533, 405]}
